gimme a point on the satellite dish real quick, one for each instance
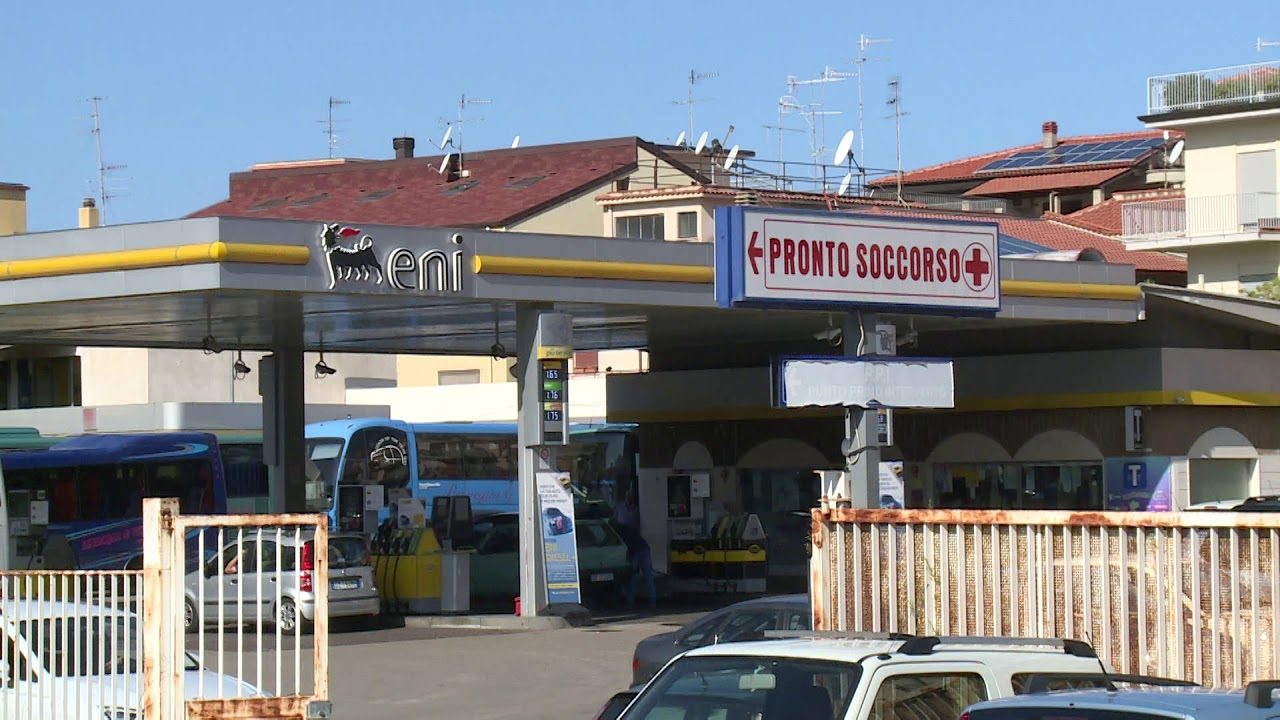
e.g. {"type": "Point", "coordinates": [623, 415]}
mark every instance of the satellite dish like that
{"type": "Point", "coordinates": [445, 162]}
{"type": "Point", "coordinates": [702, 142]}
{"type": "Point", "coordinates": [733, 155]}
{"type": "Point", "coordinates": [515, 143]}
{"type": "Point", "coordinates": [680, 139]}
{"type": "Point", "coordinates": [844, 148]}
{"type": "Point", "coordinates": [1176, 151]}
{"type": "Point", "coordinates": [448, 133]}
{"type": "Point", "coordinates": [844, 184]}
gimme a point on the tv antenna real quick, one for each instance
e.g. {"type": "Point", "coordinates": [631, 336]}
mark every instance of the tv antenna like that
{"type": "Point", "coordinates": [464, 101]}
{"type": "Point", "coordinates": [1267, 44]}
{"type": "Point", "coordinates": [818, 128]}
{"type": "Point", "coordinates": [330, 128]}
{"type": "Point", "coordinates": [815, 117]}
{"type": "Point", "coordinates": [864, 42]}
{"type": "Point", "coordinates": [103, 168]}
{"type": "Point", "coordinates": [895, 102]}
{"type": "Point", "coordinates": [695, 77]}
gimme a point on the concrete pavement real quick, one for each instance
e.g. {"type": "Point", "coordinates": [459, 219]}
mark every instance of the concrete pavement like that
{"type": "Point", "coordinates": [485, 674]}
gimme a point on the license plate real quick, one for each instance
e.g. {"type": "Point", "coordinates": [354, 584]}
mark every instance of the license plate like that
{"type": "Point", "coordinates": [601, 577]}
{"type": "Point", "coordinates": [345, 584]}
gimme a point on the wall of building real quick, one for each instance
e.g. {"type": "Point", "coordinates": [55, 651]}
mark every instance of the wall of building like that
{"type": "Point", "coordinates": [13, 209]}
{"type": "Point", "coordinates": [1211, 151]}
{"type": "Point", "coordinates": [576, 216]}
{"type": "Point", "coordinates": [126, 376]}
{"type": "Point", "coordinates": [1231, 269]}
{"type": "Point", "coordinates": [425, 370]}
{"type": "Point", "coordinates": [485, 402]}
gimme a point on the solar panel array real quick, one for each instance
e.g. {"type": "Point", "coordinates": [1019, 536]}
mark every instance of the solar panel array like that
{"type": "Point", "coordinates": [1077, 154]}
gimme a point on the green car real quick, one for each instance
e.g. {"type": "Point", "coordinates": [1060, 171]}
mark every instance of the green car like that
{"type": "Point", "coordinates": [495, 565]}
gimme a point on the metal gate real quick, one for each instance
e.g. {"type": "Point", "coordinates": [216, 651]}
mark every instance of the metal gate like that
{"type": "Point", "coordinates": [87, 645]}
{"type": "Point", "coordinates": [1188, 595]}
{"type": "Point", "coordinates": [248, 585]}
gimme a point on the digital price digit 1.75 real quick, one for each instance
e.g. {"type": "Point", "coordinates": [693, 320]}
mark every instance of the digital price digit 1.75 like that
{"type": "Point", "coordinates": [554, 398]}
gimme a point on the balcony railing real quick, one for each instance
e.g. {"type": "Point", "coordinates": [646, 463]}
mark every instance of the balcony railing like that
{"type": "Point", "coordinates": [1236, 85]}
{"type": "Point", "coordinates": [1214, 215]}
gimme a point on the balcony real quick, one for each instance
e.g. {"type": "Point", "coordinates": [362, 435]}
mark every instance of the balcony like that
{"type": "Point", "coordinates": [1183, 221]}
{"type": "Point", "coordinates": [1220, 88]}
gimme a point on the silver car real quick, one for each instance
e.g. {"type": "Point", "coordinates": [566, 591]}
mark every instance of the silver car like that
{"type": "Point", "coordinates": [273, 577]}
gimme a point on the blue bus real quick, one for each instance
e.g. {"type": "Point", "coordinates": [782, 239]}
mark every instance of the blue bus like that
{"type": "Point", "coordinates": [478, 460]}
{"type": "Point", "coordinates": [79, 503]}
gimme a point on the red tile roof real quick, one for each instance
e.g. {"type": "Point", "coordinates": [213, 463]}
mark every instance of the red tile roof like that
{"type": "Point", "coordinates": [1057, 236]}
{"type": "Point", "coordinates": [1107, 217]}
{"type": "Point", "coordinates": [504, 186]}
{"type": "Point", "coordinates": [1047, 181]}
{"type": "Point", "coordinates": [967, 168]}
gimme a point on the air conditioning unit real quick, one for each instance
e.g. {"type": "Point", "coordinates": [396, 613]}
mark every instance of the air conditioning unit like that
{"type": "Point", "coordinates": [1271, 224]}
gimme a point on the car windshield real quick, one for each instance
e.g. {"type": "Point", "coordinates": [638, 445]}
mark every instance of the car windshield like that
{"type": "Point", "coordinates": [88, 646]}
{"type": "Point", "coordinates": [1060, 713]}
{"type": "Point", "coordinates": [323, 455]}
{"type": "Point", "coordinates": [748, 687]}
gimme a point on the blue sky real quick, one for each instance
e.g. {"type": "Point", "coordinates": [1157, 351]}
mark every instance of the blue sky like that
{"type": "Point", "coordinates": [197, 91]}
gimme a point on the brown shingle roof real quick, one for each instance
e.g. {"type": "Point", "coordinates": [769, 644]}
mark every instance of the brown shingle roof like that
{"type": "Point", "coordinates": [504, 186]}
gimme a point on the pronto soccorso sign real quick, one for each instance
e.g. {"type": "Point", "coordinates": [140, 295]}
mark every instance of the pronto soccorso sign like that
{"type": "Point", "coordinates": [352, 257]}
{"type": "Point", "coordinates": [766, 257]}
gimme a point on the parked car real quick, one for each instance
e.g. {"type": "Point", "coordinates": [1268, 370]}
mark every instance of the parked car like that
{"type": "Point", "coordinates": [747, 618]}
{"type": "Point", "coordinates": [74, 660]}
{"type": "Point", "coordinates": [495, 566]}
{"type": "Point", "coordinates": [288, 593]}
{"type": "Point", "coordinates": [1255, 701]}
{"type": "Point", "coordinates": [853, 676]}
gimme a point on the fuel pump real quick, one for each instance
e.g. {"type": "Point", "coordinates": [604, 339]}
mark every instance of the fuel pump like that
{"type": "Point", "coordinates": [28, 528]}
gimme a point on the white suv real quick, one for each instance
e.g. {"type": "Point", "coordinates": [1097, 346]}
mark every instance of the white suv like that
{"type": "Point", "coordinates": [820, 676]}
{"type": "Point", "coordinates": [1254, 701]}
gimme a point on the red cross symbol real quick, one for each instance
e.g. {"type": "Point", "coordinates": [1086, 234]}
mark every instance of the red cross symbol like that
{"type": "Point", "coordinates": [976, 268]}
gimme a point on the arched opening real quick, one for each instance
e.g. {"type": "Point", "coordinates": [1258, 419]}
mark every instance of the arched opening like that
{"type": "Point", "coordinates": [1060, 469]}
{"type": "Point", "coordinates": [1223, 466]}
{"type": "Point", "coordinates": [778, 485]}
{"type": "Point", "coordinates": [692, 455]}
{"type": "Point", "coordinates": [966, 470]}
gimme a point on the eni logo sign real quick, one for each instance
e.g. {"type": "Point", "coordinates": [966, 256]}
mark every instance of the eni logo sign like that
{"type": "Point", "coordinates": [351, 258]}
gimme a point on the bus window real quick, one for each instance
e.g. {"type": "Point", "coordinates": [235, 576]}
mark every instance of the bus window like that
{"type": "Point", "coordinates": [489, 457]}
{"type": "Point", "coordinates": [388, 456]}
{"type": "Point", "coordinates": [439, 456]}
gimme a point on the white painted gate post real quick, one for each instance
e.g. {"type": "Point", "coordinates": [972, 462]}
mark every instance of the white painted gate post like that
{"type": "Point", "coordinates": [162, 692]}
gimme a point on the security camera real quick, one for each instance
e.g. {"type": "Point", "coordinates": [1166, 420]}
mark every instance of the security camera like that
{"type": "Point", "coordinates": [323, 370]}
{"type": "Point", "coordinates": [833, 335]}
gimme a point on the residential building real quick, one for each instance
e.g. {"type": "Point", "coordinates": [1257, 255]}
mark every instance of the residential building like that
{"type": "Point", "coordinates": [1059, 175]}
{"type": "Point", "coordinates": [13, 208]}
{"type": "Point", "coordinates": [1228, 223]}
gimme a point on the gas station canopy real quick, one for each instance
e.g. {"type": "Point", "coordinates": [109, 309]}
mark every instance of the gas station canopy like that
{"type": "Point", "coordinates": [224, 282]}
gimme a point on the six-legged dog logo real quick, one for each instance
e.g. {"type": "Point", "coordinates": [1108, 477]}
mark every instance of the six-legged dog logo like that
{"type": "Point", "coordinates": [357, 262]}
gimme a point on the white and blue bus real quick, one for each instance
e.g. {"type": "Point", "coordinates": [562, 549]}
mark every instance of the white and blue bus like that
{"type": "Point", "coordinates": [78, 504]}
{"type": "Point", "coordinates": [478, 460]}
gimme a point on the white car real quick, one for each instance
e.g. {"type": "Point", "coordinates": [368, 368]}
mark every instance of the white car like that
{"type": "Point", "coordinates": [851, 677]}
{"type": "Point", "coordinates": [1255, 701]}
{"type": "Point", "coordinates": [77, 661]}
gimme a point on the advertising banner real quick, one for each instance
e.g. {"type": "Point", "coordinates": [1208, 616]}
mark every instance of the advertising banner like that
{"type": "Point", "coordinates": [559, 537]}
{"type": "Point", "coordinates": [864, 382]}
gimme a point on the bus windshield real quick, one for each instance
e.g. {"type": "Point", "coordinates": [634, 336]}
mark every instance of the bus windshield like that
{"type": "Point", "coordinates": [323, 458]}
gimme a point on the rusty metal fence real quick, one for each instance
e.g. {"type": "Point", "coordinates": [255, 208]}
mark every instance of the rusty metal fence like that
{"type": "Point", "coordinates": [1188, 595]}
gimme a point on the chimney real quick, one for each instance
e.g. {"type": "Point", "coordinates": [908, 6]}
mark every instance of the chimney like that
{"type": "Point", "coordinates": [89, 214]}
{"type": "Point", "coordinates": [1050, 130]}
{"type": "Point", "coordinates": [403, 147]}
{"type": "Point", "coordinates": [453, 168]}
{"type": "Point", "coordinates": [13, 209]}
